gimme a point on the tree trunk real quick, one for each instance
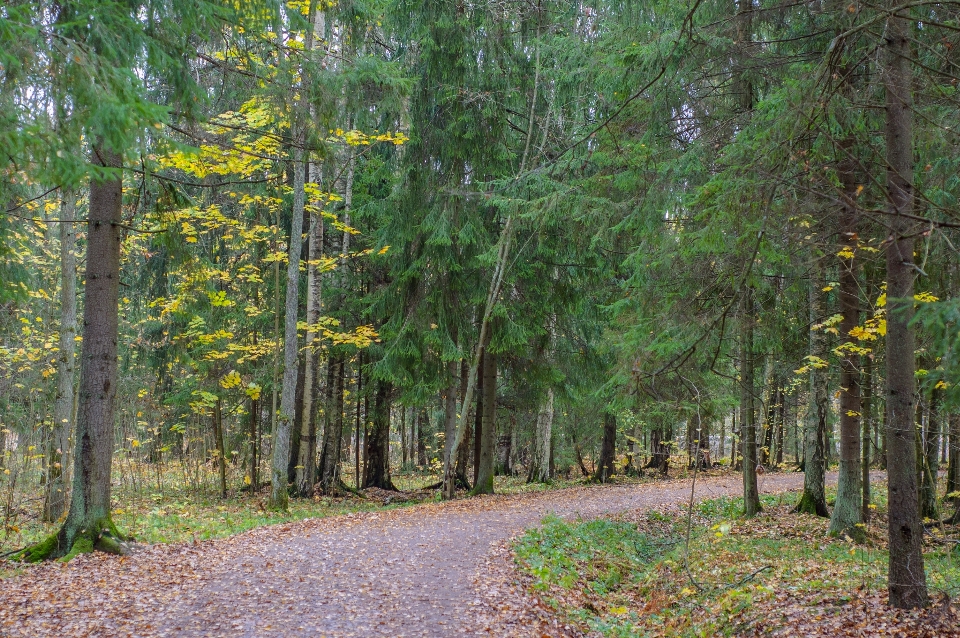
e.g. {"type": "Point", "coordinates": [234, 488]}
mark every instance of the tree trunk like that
{"type": "Point", "coordinates": [478, 420]}
{"type": "Point", "coordinates": [927, 459]}
{"type": "Point", "coordinates": [748, 427]}
{"type": "Point", "coordinates": [306, 462]}
{"type": "Point", "coordinates": [422, 421]}
{"type": "Point", "coordinates": [221, 448]}
{"type": "Point", "coordinates": [659, 451]}
{"type": "Point", "coordinates": [867, 425]}
{"type": "Point", "coordinates": [288, 396]}
{"type": "Point", "coordinates": [54, 503]}
{"type": "Point", "coordinates": [814, 498]}
{"type": "Point", "coordinates": [847, 513]}
{"type": "Point", "coordinates": [484, 481]}
{"type": "Point", "coordinates": [493, 293]}
{"type": "Point", "coordinates": [606, 466]}
{"type": "Point", "coordinates": [953, 458]}
{"type": "Point", "coordinates": [505, 451]}
{"type": "Point", "coordinates": [329, 475]}
{"type": "Point", "coordinates": [254, 445]}
{"type": "Point", "coordinates": [376, 471]}
{"type": "Point", "coordinates": [88, 525]}
{"type": "Point", "coordinates": [540, 461]}
{"type": "Point", "coordinates": [906, 581]}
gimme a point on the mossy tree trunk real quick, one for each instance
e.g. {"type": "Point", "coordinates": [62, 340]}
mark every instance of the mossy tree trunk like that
{"type": "Point", "coordinates": [88, 525]}
{"type": "Point", "coordinates": [846, 518]}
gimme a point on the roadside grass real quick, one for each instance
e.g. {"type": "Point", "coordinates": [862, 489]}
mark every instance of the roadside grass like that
{"type": "Point", "coordinates": [775, 574]}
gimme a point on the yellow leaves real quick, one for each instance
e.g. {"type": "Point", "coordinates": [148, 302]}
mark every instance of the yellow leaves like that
{"type": "Point", "coordinates": [942, 385]}
{"type": "Point", "coordinates": [881, 301]}
{"type": "Point", "coordinates": [814, 362]}
{"type": "Point", "coordinates": [384, 250]}
{"type": "Point", "coordinates": [845, 253]}
{"type": "Point", "coordinates": [231, 380]}
{"type": "Point", "coordinates": [618, 611]}
{"type": "Point", "coordinates": [253, 391]}
{"type": "Point", "coordinates": [219, 299]}
{"type": "Point", "coordinates": [926, 297]}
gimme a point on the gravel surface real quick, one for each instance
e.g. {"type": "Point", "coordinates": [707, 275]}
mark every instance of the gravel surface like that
{"type": "Point", "coordinates": [435, 569]}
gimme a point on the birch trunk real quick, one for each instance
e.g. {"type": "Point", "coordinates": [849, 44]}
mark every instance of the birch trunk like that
{"type": "Point", "coordinates": [55, 488]}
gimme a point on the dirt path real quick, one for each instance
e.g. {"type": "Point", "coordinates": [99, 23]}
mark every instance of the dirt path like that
{"type": "Point", "coordinates": [419, 571]}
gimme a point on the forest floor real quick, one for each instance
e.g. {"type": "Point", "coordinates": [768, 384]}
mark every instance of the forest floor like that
{"type": "Point", "coordinates": [435, 569]}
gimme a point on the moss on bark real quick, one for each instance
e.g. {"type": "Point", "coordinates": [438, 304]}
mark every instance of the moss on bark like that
{"type": "Point", "coordinates": [66, 544]}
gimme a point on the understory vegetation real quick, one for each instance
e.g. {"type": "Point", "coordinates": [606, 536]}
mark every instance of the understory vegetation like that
{"type": "Point", "coordinates": [778, 573]}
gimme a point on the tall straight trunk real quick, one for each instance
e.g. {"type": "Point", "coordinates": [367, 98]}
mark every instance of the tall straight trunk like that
{"type": "Point", "coordinates": [488, 440]}
{"type": "Point", "coordinates": [867, 427]}
{"type": "Point", "coordinates": [505, 450]}
{"type": "Point", "coordinates": [478, 421]}
{"type": "Point", "coordinates": [781, 423]}
{"type": "Point", "coordinates": [734, 443]}
{"type": "Point", "coordinates": [88, 525]}
{"type": "Point", "coordinates": [376, 471]}
{"type": "Point", "coordinates": [288, 394]}
{"type": "Point", "coordinates": [54, 503]}
{"type": "Point", "coordinates": [463, 456]}
{"type": "Point", "coordinates": [927, 458]}
{"type": "Point", "coordinates": [722, 435]}
{"type": "Point", "coordinates": [254, 444]}
{"type": "Point", "coordinates": [450, 414]}
{"type": "Point", "coordinates": [906, 580]}
{"type": "Point", "coordinates": [403, 437]}
{"type": "Point", "coordinates": [221, 448]}
{"type": "Point", "coordinates": [422, 421]}
{"type": "Point", "coordinates": [288, 399]}
{"type": "Point", "coordinates": [296, 425]}
{"type": "Point", "coordinates": [329, 474]}
{"type": "Point", "coordinates": [814, 498]}
{"type": "Point", "coordinates": [606, 466]}
{"type": "Point", "coordinates": [306, 462]}
{"type": "Point", "coordinates": [847, 513]}
{"type": "Point", "coordinates": [748, 427]}
{"type": "Point", "coordinates": [357, 420]}
{"type": "Point", "coordinates": [540, 461]}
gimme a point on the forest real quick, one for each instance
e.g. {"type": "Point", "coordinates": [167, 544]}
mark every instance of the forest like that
{"type": "Point", "coordinates": [267, 260]}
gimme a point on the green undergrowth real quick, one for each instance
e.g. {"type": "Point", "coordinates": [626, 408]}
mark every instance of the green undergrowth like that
{"type": "Point", "coordinates": [632, 576]}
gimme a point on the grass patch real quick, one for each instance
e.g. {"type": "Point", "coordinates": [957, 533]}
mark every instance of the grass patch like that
{"type": "Point", "coordinates": [777, 572]}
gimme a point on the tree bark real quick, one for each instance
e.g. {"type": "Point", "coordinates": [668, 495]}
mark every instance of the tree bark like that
{"type": "Point", "coordinates": [221, 448]}
{"type": "Point", "coordinates": [89, 525]}
{"type": "Point", "coordinates": [906, 581]}
{"type": "Point", "coordinates": [329, 474]}
{"type": "Point", "coordinates": [748, 427]}
{"type": "Point", "coordinates": [376, 471]}
{"type": "Point", "coordinates": [483, 484]}
{"type": "Point", "coordinates": [814, 498]}
{"type": "Point", "coordinates": [847, 513]}
{"type": "Point", "coordinates": [540, 461]}
{"type": "Point", "coordinates": [55, 487]}
{"type": "Point", "coordinates": [606, 466]}
{"type": "Point", "coordinates": [306, 462]}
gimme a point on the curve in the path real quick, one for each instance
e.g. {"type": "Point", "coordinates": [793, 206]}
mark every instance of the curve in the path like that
{"type": "Point", "coordinates": [406, 572]}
